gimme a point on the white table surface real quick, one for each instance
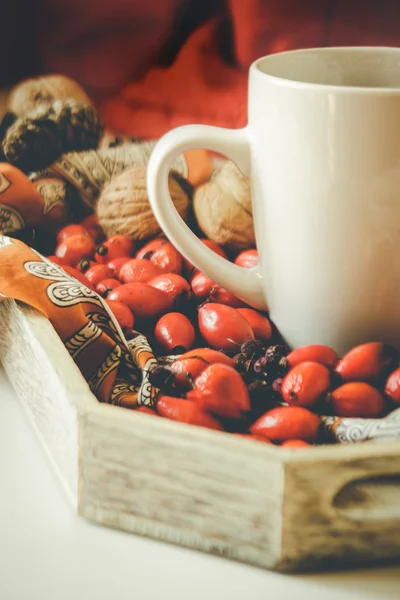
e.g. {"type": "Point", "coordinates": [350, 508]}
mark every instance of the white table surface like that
{"type": "Point", "coordinates": [48, 553]}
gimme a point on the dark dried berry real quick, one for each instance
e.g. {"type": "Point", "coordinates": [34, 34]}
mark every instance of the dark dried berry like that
{"type": "Point", "coordinates": [275, 353]}
{"type": "Point", "coordinates": [277, 361]}
{"type": "Point", "coordinates": [252, 348]}
{"type": "Point", "coordinates": [186, 303]}
{"type": "Point", "coordinates": [257, 385]}
{"type": "Point", "coordinates": [259, 392]}
{"type": "Point", "coordinates": [260, 365]}
{"type": "Point", "coordinates": [282, 367]}
{"type": "Point", "coordinates": [240, 358]}
{"type": "Point", "coordinates": [231, 352]}
{"type": "Point", "coordinates": [248, 364]}
{"type": "Point", "coordinates": [262, 397]}
{"type": "Point", "coordinates": [159, 376]}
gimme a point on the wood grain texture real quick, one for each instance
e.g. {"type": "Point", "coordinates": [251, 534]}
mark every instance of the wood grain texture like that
{"type": "Point", "coordinates": [342, 507]}
{"type": "Point", "coordinates": [290, 510]}
{"type": "Point", "coordinates": [182, 484]}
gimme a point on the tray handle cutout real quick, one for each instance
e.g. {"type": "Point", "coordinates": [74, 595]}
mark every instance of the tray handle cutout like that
{"type": "Point", "coordinates": [375, 498]}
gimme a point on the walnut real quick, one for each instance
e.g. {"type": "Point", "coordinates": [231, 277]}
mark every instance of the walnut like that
{"type": "Point", "coordinates": [123, 206]}
{"type": "Point", "coordinates": [223, 209]}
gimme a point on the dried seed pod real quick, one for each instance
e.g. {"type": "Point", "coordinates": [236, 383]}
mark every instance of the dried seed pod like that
{"type": "Point", "coordinates": [223, 209]}
{"type": "Point", "coordinates": [124, 208]}
{"type": "Point", "coordinates": [36, 141]}
{"type": "Point", "coordinates": [88, 172]}
{"type": "Point", "coordinates": [30, 93]}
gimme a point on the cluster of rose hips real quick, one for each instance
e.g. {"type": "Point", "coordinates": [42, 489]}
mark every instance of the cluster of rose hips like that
{"type": "Point", "coordinates": [154, 289]}
{"type": "Point", "coordinates": [230, 372]}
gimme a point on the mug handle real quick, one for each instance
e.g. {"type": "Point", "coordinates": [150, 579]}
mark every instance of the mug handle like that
{"type": "Point", "coordinates": [246, 284]}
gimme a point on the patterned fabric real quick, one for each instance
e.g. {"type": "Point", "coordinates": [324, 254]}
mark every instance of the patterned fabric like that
{"type": "Point", "coordinates": [116, 368]}
{"type": "Point", "coordinates": [348, 430]}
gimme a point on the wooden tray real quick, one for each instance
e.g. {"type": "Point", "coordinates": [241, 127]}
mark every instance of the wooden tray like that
{"type": "Point", "coordinates": [289, 510]}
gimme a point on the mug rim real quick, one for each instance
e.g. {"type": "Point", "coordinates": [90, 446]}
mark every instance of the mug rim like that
{"type": "Point", "coordinates": [255, 68]}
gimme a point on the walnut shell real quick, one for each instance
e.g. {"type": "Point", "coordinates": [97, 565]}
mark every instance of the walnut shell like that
{"type": "Point", "coordinates": [123, 206]}
{"type": "Point", "coordinates": [223, 209]}
{"type": "Point", "coordinates": [30, 93]}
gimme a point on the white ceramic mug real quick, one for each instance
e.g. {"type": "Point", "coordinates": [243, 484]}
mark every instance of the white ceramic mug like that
{"type": "Point", "coordinates": [322, 151]}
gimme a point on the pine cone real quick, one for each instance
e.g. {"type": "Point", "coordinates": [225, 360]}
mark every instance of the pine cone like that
{"type": "Point", "coordinates": [36, 141]}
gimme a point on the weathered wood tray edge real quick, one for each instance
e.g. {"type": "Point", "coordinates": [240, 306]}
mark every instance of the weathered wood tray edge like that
{"type": "Point", "coordinates": [322, 508]}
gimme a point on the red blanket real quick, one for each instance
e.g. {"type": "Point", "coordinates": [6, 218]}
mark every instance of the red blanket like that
{"type": "Point", "coordinates": [172, 62]}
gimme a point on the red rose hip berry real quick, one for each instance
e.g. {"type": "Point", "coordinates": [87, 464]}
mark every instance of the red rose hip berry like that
{"type": "Point", "coordinates": [201, 286]}
{"type": "Point", "coordinates": [97, 273]}
{"type": "Point", "coordinates": [147, 250]}
{"type": "Point", "coordinates": [305, 384]}
{"type": "Point", "coordinates": [296, 444]}
{"type": "Point", "coordinates": [117, 263]}
{"type": "Point", "coordinates": [260, 325]}
{"type": "Point", "coordinates": [138, 269]}
{"type": "Point", "coordinates": [69, 231]}
{"type": "Point", "coordinates": [123, 315]}
{"type": "Point", "coordinates": [167, 258]}
{"type": "Point", "coordinates": [185, 411]}
{"type": "Point", "coordinates": [115, 247]}
{"type": "Point", "coordinates": [174, 285]}
{"type": "Point", "coordinates": [223, 327]}
{"type": "Point", "coordinates": [392, 388]}
{"type": "Point", "coordinates": [144, 301]}
{"type": "Point", "coordinates": [221, 390]}
{"type": "Point", "coordinates": [220, 295]}
{"type": "Point", "coordinates": [174, 333]}
{"type": "Point", "coordinates": [325, 355]}
{"type": "Point", "coordinates": [358, 399]}
{"type": "Point", "coordinates": [255, 438]}
{"type": "Point", "coordinates": [57, 261]}
{"type": "Point", "coordinates": [287, 423]}
{"type": "Point", "coordinates": [194, 362]}
{"type": "Point", "coordinates": [147, 410]}
{"type": "Point", "coordinates": [76, 248]}
{"type": "Point", "coordinates": [367, 362]}
{"type": "Point", "coordinates": [106, 286]}
{"type": "Point", "coordinates": [205, 288]}
{"type": "Point", "coordinates": [247, 259]}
